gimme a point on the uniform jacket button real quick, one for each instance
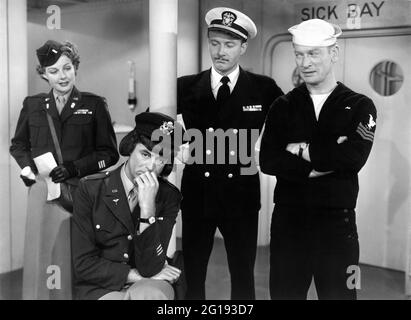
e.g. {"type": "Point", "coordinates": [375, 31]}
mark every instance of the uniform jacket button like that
{"type": "Point", "coordinates": [207, 174]}
{"type": "Point", "coordinates": [129, 237]}
{"type": "Point", "coordinates": [230, 175]}
{"type": "Point", "coordinates": [125, 256]}
{"type": "Point", "coordinates": [97, 226]}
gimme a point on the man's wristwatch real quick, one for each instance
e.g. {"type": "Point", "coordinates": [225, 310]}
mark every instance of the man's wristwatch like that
{"type": "Point", "coordinates": [149, 220]}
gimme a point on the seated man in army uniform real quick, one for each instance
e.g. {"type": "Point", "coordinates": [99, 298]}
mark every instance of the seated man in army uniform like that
{"type": "Point", "coordinates": [123, 220]}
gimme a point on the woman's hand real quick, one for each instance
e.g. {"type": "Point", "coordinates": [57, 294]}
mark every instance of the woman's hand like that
{"type": "Point", "coordinates": [147, 190]}
{"type": "Point", "coordinates": [168, 273]}
{"type": "Point", "coordinates": [63, 172]}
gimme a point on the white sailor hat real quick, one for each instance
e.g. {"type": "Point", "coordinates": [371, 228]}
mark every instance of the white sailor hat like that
{"type": "Point", "coordinates": [231, 20]}
{"type": "Point", "coordinates": [315, 33]}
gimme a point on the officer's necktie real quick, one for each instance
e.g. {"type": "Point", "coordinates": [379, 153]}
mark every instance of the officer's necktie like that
{"type": "Point", "coordinates": [60, 102]}
{"type": "Point", "coordinates": [132, 198]}
{"type": "Point", "coordinates": [223, 91]}
{"type": "Point", "coordinates": [132, 202]}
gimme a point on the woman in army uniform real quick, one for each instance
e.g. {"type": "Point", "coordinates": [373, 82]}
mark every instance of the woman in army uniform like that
{"type": "Point", "coordinates": [87, 141]}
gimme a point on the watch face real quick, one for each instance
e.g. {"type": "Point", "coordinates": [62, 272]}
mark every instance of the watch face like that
{"type": "Point", "coordinates": [151, 220]}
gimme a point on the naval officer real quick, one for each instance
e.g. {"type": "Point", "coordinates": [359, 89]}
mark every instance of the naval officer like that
{"type": "Point", "coordinates": [224, 98]}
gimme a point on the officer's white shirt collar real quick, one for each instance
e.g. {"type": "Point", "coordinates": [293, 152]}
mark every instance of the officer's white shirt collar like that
{"type": "Point", "coordinates": [65, 96]}
{"type": "Point", "coordinates": [127, 183]}
{"type": "Point", "coordinates": [216, 79]}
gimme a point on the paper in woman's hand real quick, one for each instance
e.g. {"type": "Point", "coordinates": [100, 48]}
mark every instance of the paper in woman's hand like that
{"type": "Point", "coordinates": [45, 163]}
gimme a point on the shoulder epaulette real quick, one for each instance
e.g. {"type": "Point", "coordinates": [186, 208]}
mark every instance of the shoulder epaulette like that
{"type": "Point", "coordinates": [99, 175]}
{"type": "Point", "coordinates": [39, 96]}
{"type": "Point", "coordinates": [89, 94]}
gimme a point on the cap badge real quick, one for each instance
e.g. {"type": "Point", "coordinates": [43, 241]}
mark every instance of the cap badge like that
{"type": "Point", "coordinates": [54, 50]}
{"type": "Point", "coordinates": [167, 128]}
{"type": "Point", "coordinates": [228, 18]}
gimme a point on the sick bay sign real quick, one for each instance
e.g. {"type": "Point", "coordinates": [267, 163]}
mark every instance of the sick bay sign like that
{"type": "Point", "coordinates": [357, 14]}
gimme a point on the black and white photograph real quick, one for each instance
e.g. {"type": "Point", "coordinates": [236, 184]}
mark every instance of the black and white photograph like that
{"type": "Point", "coordinates": [209, 152]}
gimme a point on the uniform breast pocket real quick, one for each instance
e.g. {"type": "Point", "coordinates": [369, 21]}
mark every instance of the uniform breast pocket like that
{"type": "Point", "coordinates": [80, 119]}
{"type": "Point", "coordinates": [79, 130]}
{"type": "Point", "coordinates": [39, 131]}
{"type": "Point", "coordinates": [106, 229]}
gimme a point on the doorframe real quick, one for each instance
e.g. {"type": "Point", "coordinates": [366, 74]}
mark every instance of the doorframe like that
{"type": "Point", "coordinates": [275, 40]}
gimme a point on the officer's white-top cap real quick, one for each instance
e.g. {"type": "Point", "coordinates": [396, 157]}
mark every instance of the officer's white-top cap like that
{"type": "Point", "coordinates": [315, 33]}
{"type": "Point", "coordinates": [232, 21]}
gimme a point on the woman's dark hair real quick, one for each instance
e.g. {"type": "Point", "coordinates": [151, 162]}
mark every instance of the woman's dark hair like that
{"type": "Point", "coordinates": [129, 142]}
{"type": "Point", "coordinates": [68, 49]}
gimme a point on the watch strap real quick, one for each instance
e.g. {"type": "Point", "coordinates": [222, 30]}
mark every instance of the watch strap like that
{"type": "Point", "coordinates": [149, 220]}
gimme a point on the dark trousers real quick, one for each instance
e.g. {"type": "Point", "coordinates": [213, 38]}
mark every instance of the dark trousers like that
{"type": "Point", "coordinates": [240, 239]}
{"type": "Point", "coordinates": [308, 243]}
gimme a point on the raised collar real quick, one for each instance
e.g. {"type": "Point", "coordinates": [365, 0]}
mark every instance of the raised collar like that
{"type": "Point", "coordinates": [127, 183]}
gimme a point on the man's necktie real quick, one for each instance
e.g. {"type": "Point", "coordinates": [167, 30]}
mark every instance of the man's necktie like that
{"type": "Point", "coordinates": [132, 198]}
{"type": "Point", "coordinates": [223, 91]}
{"type": "Point", "coordinates": [60, 102]}
{"type": "Point", "coordinates": [132, 202]}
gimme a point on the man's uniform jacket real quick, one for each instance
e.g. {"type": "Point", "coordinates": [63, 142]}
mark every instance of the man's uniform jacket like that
{"type": "Point", "coordinates": [345, 113]}
{"type": "Point", "coordinates": [105, 241]}
{"type": "Point", "coordinates": [211, 188]}
{"type": "Point", "coordinates": [84, 131]}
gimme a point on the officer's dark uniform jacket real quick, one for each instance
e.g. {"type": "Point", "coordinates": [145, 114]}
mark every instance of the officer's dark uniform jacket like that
{"type": "Point", "coordinates": [208, 186]}
{"type": "Point", "coordinates": [292, 119]}
{"type": "Point", "coordinates": [105, 241]}
{"type": "Point", "coordinates": [84, 130]}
